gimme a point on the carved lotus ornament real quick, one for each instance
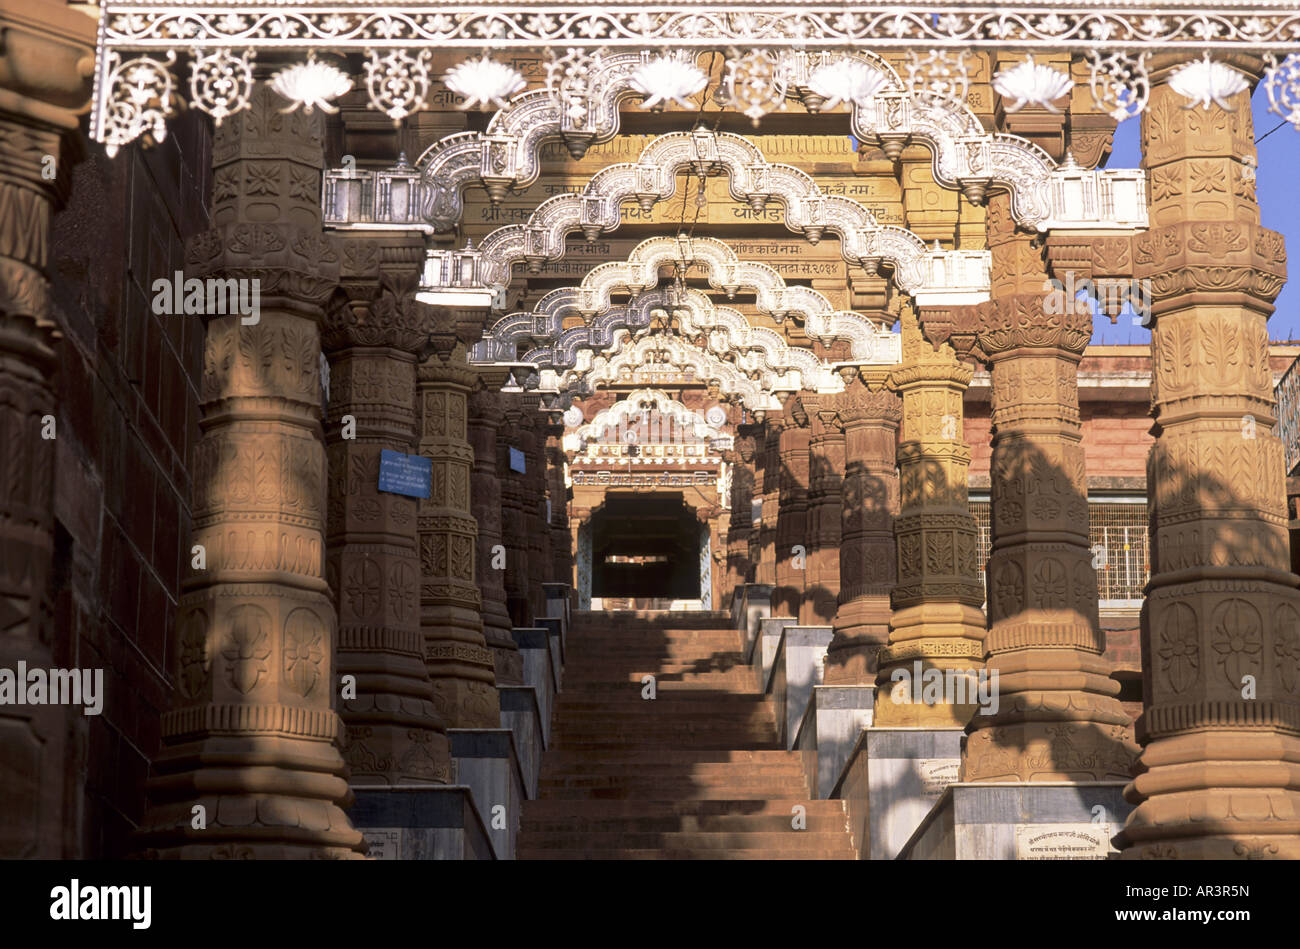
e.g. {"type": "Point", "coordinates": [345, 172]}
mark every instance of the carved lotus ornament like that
{"type": "Point", "coordinates": [483, 81]}
{"type": "Point", "coordinates": [667, 79]}
{"type": "Point", "coordinates": [311, 84]}
{"type": "Point", "coordinates": [1031, 83]}
{"type": "Point", "coordinates": [1206, 81]}
{"type": "Point", "coordinates": [846, 80]}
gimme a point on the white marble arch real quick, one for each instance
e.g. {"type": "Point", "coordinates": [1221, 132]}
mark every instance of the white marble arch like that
{"type": "Point", "coordinates": [672, 356]}
{"type": "Point", "coordinates": [617, 417]}
{"type": "Point", "coordinates": [640, 272]}
{"type": "Point", "coordinates": [931, 276]}
{"type": "Point", "coordinates": [963, 154]}
{"type": "Point", "coordinates": [759, 352]}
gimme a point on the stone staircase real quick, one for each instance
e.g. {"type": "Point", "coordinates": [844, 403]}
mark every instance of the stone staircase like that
{"type": "Point", "coordinates": [694, 774]}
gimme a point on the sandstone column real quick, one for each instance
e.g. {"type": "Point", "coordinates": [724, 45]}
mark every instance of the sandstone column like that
{"type": "Point", "coordinates": [394, 735]}
{"type": "Point", "coordinates": [1058, 718]}
{"type": "Point", "coordinates": [252, 738]}
{"type": "Point", "coordinates": [768, 481]}
{"type": "Point", "coordinates": [561, 562]}
{"type": "Point", "coordinates": [536, 529]}
{"type": "Point", "coordinates": [870, 414]}
{"type": "Point", "coordinates": [937, 618]}
{"type": "Point", "coordinates": [43, 91]}
{"type": "Point", "coordinates": [825, 509]}
{"type": "Point", "coordinates": [514, 522]}
{"type": "Point", "coordinates": [485, 416]}
{"type": "Point", "coordinates": [460, 663]}
{"type": "Point", "coordinates": [740, 527]}
{"type": "Point", "coordinates": [1220, 770]}
{"type": "Point", "coordinates": [792, 513]}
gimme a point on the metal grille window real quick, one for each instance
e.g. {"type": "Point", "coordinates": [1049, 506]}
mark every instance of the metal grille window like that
{"type": "Point", "coordinates": [1118, 524]}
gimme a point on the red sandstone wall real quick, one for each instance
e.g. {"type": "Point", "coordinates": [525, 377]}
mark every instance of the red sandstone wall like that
{"type": "Point", "coordinates": [127, 424]}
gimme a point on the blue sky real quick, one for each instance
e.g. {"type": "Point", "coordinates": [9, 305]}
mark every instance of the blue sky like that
{"type": "Point", "coordinates": [1278, 191]}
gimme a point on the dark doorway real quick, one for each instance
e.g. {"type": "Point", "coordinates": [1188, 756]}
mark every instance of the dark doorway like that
{"type": "Point", "coordinates": [645, 546]}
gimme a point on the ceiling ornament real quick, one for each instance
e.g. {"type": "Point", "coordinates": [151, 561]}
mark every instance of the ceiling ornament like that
{"type": "Point", "coordinates": [933, 34]}
{"type": "Point", "coordinates": [1282, 84]}
{"type": "Point", "coordinates": [755, 83]}
{"type": "Point", "coordinates": [1120, 83]}
{"type": "Point", "coordinates": [398, 82]}
{"type": "Point", "coordinates": [142, 101]}
{"type": "Point", "coordinates": [846, 80]}
{"type": "Point", "coordinates": [1031, 83]}
{"type": "Point", "coordinates": [668, 77]}
{"type": "Point", "coordinates": [221, 83]}
{"type": "Point", "coordinates": [940, 76]}
{"type": "Point", "coordinates": [483, 82]}
{"type": "Point", "coordinates": [311, 84]}
{"type": "Point", "coordinates": [1205, 81]}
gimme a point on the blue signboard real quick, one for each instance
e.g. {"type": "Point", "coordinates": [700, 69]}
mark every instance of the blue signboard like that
{"type": "Point", "coordinates": [405, 474]}
{"type": "Point", "coordinates": [517, 460]}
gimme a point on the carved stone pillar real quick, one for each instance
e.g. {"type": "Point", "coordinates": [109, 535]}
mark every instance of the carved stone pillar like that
{"type": "Point", "coordinates": [537, 530]}
{"type": "Point", "coordinates": [937, 619]}
{"type": "Point", "coordinates": [485, 417]}
{"type": "Point", "coordinates": [460, 663]}
{"type": "Point", "coordinates": [252, 738]}
{"type": "Point", "coordinates": [561, 561]}
{"type": "Point", "coordinates": [870, 414]}
{"type": "Point", "coordinates": [514, 523]}
{"type": "Point", "coordinates": [825, 508]}
{"type": "Point", "coordinates": [792, 514]}
{"type": "Point", "coordinates": [1058, 718]}
{"type": "Point", "coordinates": [1221, 622]}
{"type": "Point", "coordinates": [768, 481]}
{"type": "Point", "coordinates": [394, 734]}
{"type": "Point", "coordinates": [740, 527]}
{"type": "Point", "coordinates": [43, 90]}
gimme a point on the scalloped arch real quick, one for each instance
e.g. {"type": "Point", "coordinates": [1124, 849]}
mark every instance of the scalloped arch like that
{"type": "Point", "coordinates": [723, 332]}
{"type": "Point", "coordinates": [615, 415]}
{"type": "Point", "coordinates": [963, 154]}
{"type": "Point", "coordinates": [593, 370]}
{"type": "Point", "coordinates": [953, 276]}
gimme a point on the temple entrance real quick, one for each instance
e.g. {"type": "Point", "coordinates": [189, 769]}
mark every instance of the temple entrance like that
{"type": "Point", "coordinates": [645, 548]}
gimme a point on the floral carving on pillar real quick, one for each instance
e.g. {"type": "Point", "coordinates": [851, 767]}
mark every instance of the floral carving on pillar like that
{"type": "Point", "coordinates": [1219, 624]}
{"type": "Point", "coordinates": [1058, 717]}
{"type": "Point", "coordinates": [460, 663]}
{"type": "Point", "coordinates": [256, 704]}
{"type": "Point", "coordinates": [371, 333]}
{"type": "Point", "coordinates": [870, 414]}
{"type": "Point", "coordinates": [936, 619]}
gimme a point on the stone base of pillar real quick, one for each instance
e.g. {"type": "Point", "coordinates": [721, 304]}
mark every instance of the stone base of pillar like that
{"type": "Point", "coordinates": [1247, 780]}
{"type": "Point", "coordinates": [1058, 719]}
{"type": "Point", "coordinates": [1067, 821]}
{"type": "Point", "coordinates": [488, 764]}
{"type": "Point", "coordinates": [892, 779]}
{"type": "Point", "coordinates": [940, 636]}
{"type": "Point", "coordinates": [861, 631]}
{"type": "Point", "coordinates": [422, 824]}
